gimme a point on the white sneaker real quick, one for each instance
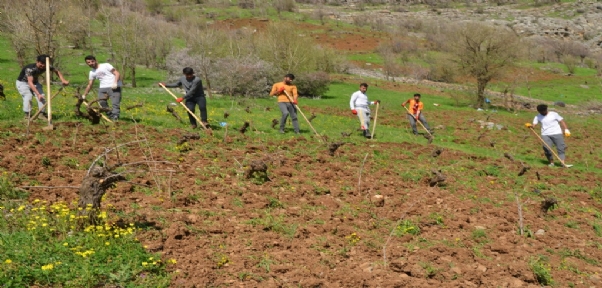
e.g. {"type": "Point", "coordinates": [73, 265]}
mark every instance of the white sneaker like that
{"type": "Point", "coordinates": [568, 166]}
{"type": "Point", "coordinates": [551, 165]}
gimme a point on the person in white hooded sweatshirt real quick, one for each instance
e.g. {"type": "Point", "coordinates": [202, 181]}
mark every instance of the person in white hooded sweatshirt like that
{"type": "Point", "coordinates": [360, 106]}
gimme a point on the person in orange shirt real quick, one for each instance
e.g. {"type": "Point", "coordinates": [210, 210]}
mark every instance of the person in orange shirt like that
{"type": "Point", "coordinates": [416, 109]}
{"type": "Point", "coordinates": [284, 101]}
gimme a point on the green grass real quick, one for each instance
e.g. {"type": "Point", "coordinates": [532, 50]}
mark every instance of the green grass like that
{"type": "Point", "coordinates": [66, 255]}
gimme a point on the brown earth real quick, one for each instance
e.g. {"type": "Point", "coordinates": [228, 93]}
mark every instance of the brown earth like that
{"type": "Point", "coordinates": [297, 229]}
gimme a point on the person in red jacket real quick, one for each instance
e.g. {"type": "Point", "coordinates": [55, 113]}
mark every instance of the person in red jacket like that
{"type": "Point", "coordinates": [416, 113]}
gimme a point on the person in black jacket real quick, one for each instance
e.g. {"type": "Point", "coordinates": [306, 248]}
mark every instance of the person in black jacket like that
{"type": "Point", "coordinates": [29, 86]}
{"type": "Point", "coordinates": [193, 95]}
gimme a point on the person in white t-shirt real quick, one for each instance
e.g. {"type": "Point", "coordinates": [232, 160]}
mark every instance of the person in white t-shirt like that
{"type": "Point", "coordinates": [110, 85]}
{"type": "Point", "coordinates": [551, 133]}
{"type": "Point", "coordinates": [359, 105]}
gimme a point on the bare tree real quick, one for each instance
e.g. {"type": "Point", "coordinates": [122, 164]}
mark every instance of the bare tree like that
{"type": "Point", "coordinates": [206, 46]}
{"type": "Point", "coordinates": [482, 52]}
{"type": "Point", "coordinates": [15, 26]}
{"type": "Point", "coordinates": [44, 21]}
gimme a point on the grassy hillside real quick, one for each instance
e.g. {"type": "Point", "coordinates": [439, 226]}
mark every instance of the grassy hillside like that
{"type": "Point", "coordinates": [312, 219]}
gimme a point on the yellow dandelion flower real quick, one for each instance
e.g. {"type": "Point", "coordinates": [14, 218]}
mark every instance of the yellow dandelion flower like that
{"type": "Point", "coordinates": [21, 208]}
{"type": "Point", "coordinates": [144, 264]}
{"type": "Point", "coordinates": [172, 261]}
{"type": "Point", "coordinates": [107, 243]}
{"type": "Point", "coordinates": [65, 244]}
{"type": "Point", "coordinates": [8, 261]}
{"type": "Point", "coordinates": [48, 267]}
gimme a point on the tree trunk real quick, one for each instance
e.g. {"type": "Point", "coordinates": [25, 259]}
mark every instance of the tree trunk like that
{"type": "Point", "coordinates": [133, 76]}
{"type": "Point", "coordinates": [93, 187]}
{"type": "Point", "coordinates": [481, 85]}
{"type": "Point", "coordinates": [209, 93]}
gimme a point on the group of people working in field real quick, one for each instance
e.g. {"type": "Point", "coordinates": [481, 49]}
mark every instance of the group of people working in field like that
{"type": "Point", "coordinates": [552, 134]}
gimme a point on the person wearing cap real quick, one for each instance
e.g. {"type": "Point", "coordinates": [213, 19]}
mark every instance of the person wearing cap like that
{"type": "Point", "coordinates": [110, 85]}
{"type": "Point", "coordinates": [28, 84]}
{"type": "Point", "coordinates": [551, 133]}
{"type": "Point", "coordinates": [194, 95]}
{"type": "Point", "coordinates": [360, 106]}
{"type": "Point", "coordinates": [416, 107]}
{"type": "Point", "coordinates": [286, 102]}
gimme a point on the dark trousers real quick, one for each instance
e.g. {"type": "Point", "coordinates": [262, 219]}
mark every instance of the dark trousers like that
{"type": "Point", "coordinates": [191, 103]}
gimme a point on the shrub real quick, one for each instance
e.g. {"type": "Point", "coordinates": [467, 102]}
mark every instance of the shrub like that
{"type": "Point", "coordinates": [313, 84]}
{"type": "Point", "coordinates": [244, 76]}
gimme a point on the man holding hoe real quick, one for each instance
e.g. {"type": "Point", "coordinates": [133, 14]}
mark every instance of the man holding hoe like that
{"type": "Point", "coordinates": [110, 84]}
{"type": "Point", "coordinates": [28, 85]}
{"type": "Point", "coordinates": [193, 95]}
{"type": "Point", "coordinates": [360, 106]}
{"type": "Point", "coordinates": [415, 113]}
{"type": "Point", "coordinates": [551, 133]}
{"type": "Point", "coordinates": [286, 103]}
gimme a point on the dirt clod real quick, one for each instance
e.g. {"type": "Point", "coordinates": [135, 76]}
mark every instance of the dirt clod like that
{"type": "Point", "coordinates": [378, 200]}
{"type": "Point", "coordinates": [275, 122]}
{"type": "Point", "coordinates": [244, 128]}
{"type": "Point", "coordinates": [523, 170]}
{"type": "Point", "coordinates": [257, 168]}
{"type": "Point", "coordinates": [226, 114]}
{"type": "Point", "coordinates": [507, 155]}
{"type": "Point", "coordinates": [437, 178]}
{"type": "Point", "coordinates": [436, 152]}
{"type": "Point", "coordinates": [333, 147]}
{"type": "Point", "coordinates": [187, 137]}
{"type": "Point", "coordinates": [312, 117]}
{"type": "Point", "coordinates": [548, 204]}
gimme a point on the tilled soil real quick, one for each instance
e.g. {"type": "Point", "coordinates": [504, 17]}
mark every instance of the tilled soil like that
{"type": "Point", "coordinates": [312, 223]}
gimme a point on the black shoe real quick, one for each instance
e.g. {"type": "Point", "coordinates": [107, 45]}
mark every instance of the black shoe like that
{"type": "Point", "coordinates": [193, 126]}
{"type": "Point", "coordinates": [368, 137]}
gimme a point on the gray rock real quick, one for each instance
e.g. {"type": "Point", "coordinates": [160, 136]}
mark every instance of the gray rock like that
{"type": "Point", "coordinates": [540, 232]}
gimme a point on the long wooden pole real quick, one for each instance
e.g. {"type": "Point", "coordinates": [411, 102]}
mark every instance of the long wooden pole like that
{"type": "Point", "coordinates": [547, 146]}
{"type": "Point", "coordinates": [419, 122]}
{"type": "Point", "coordinates": [48, 91]}
{"type": "Point", "coordinates": [375, 118]}
{"type": "Point", "coordinates": [35, 116]}
{"type": "Point", "coordinates": [176, 97]}
{"type": "Point", "coordinates": [297, 106]}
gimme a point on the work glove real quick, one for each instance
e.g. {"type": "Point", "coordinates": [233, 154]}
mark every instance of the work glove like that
{"type": "Point", "coordinates": [567, 133]}
{"type": "Point", "coordinates": [354, 112]}
{"type": "Point", "coordinates": [281, 89]}
{"type": "Point", "coordinates": [528, 125]}
{"type": "Point", "coordinates": [41, 97]}
{"type": "Point", "coordinates": [114, 86]}
{"type": "Point", "coordinates": [376, 102]}
{"type": "Point", "coordinates": [417, 116]}
{"type": "Point", "coordinates": [179, 100]}
{"type": "Point", "coordinates": [84, 96]}
{"type": "Point", "coordinates": [161, 84]}
{"type": "Point", "coordinates": [295, 102]}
